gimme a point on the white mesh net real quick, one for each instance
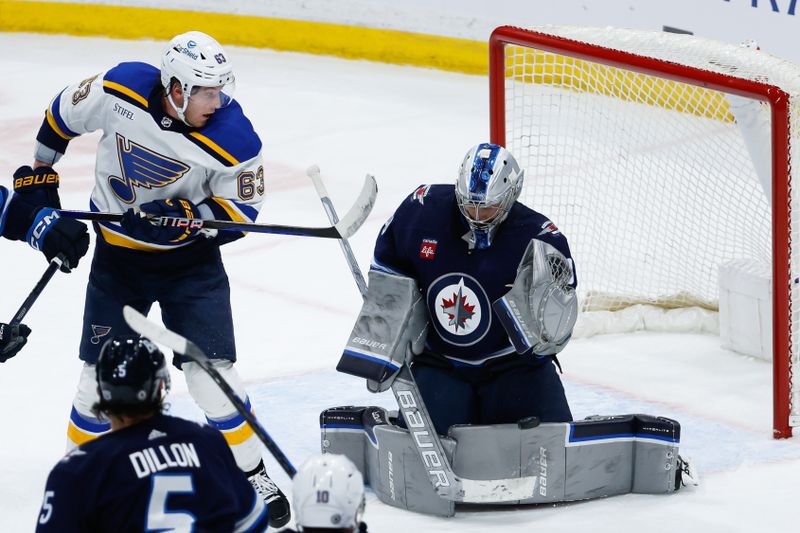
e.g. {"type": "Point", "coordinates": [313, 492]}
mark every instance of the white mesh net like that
{"type": "Point", "coordinates": [653, 181]}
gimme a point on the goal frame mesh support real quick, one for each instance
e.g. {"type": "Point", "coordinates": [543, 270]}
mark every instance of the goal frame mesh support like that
{"type": "Point", "coordinates": [778, 100]}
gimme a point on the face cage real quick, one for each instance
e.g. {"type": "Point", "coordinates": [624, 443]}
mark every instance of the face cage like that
{"type": "Point", "coordinates": [503, 208]}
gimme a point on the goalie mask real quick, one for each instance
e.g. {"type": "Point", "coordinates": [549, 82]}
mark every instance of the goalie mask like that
{"type": "Point", "coordinates": [202, 68]}
{"type": "Point", "coordinates": [328, 492]}
{"type": "Point", "coordinates": [131, 372]}
{"type": "Point", "coordinates": [489, 182]}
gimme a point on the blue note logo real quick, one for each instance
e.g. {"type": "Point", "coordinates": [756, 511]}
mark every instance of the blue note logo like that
{"type": "Point", "coordinates": [142, 167]}
{"type": "Point", "coordinates": [460, 309]}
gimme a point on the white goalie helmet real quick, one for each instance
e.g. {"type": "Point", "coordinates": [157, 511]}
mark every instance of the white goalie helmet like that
{"type": "Point", "coordinates": [196, 60]}
{"type": "Point", "coordinates": [489, 182]}
{"type": "Point", "coordinates": [328, 492]}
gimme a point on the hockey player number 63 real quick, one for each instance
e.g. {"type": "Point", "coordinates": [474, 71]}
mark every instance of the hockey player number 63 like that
{"type": "Point", "coordinates": [158, 517]}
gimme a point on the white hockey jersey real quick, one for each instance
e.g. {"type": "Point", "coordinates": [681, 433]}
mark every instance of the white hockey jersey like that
{"type": "Point", "coordinates": [145, 155]}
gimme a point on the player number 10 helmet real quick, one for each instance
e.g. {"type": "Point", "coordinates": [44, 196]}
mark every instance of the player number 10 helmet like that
{"type": "Point", "coordinates": [196, 60]}
{"type": "Point", "coordinates": [328, 492]}
{"type": "Point", "coordinates": [489, 182]}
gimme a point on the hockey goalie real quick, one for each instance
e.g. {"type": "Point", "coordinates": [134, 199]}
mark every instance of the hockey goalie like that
{"type": "Point", "coordinates": [471, 297]}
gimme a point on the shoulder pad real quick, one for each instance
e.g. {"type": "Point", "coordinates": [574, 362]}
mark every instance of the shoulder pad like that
{"type": "Point", "coordinates": [132, 82]}
{"type": "Point", "coordinates": [228, 137]}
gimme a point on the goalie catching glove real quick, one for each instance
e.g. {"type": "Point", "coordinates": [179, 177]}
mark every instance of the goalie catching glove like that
{"type": "Point", "coordinates": [540, 310]}
{"type": "Point", "coordinates": [390, 329]}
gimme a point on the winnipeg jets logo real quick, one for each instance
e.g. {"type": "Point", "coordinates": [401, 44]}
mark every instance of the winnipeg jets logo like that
{"type": "Point", "coordinates": [457, 309]}
{"type": "Point", "coordinates": [549, 227]}
{"type": "Point", "coordinates": [420, 194]}
{"type": "Point", "coordinates": [460, 307]}
{"type": "Point", "coordinates": [142, 167]}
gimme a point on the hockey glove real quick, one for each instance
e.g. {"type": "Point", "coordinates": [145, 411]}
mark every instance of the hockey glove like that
{"type": "Point", "coordinates": [39, 187]}
{"type": "Point", "coordinates": [12, 339]}
{"type": "Point", "coordinates": [138, 221]}
{"type": "Point", "coordinates": [52, 235]}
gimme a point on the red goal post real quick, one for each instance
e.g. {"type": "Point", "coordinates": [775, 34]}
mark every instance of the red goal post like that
{"type": "Point", "coordinates": [644, 118]}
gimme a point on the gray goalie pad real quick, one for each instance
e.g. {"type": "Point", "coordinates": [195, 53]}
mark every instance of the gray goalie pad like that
{"type": "Point", "coordinates": [593, 458]}
{"type": "Point", "coordinates": [541, 308]}
{"type": "Point", "coordinates": [390, 329]}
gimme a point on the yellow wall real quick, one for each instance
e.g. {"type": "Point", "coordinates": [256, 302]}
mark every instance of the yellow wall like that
{"type": "Point", "coordinates": [388, 46]}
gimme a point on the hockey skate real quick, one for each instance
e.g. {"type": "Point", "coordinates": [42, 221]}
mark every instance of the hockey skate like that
{"type": "Point", "coordinates": [277, 504]}
{"type": "Point", "coordinates": [687, 474]}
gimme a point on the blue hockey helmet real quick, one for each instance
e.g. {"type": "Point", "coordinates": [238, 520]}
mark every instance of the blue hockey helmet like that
{"type": "Point", "coordinates": [489, 182]}
{"type": "Point", "coordinates": [131, 371]}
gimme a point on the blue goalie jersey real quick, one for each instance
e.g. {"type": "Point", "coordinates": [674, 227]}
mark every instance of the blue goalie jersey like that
{"type": "Point", "coordinates": [424, 241]}
{"type": "Point", "coordinates": [162, 474]}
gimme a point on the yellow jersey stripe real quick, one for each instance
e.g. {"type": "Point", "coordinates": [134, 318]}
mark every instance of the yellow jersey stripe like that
{"type": "Point", "coordinates": [78, 436]}
{"type": "Point", "coordinates": [231, 210]}
{"type": "Point", "coordinates": [215, 147]}
{"type": "Point", "coordinates": [116, 239]}
{"type": "Point", "coordinates": [52, 121]}
{"type": "Point", "coordinates": [238, 436]}
{"type": "Point", "coordinates": [127, 92]}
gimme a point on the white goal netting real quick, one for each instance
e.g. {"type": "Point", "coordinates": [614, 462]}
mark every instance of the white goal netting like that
{"type": "Point", "coordinates": [652, 152]}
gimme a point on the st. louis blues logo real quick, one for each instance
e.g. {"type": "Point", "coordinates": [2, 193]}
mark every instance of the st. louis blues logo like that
{"type": "Point", "coordinates": [142, 167]}
{"type": "Point", "coordinates": [460, 307]}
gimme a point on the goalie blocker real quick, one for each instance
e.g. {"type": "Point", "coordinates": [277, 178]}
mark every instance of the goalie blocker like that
{"type": "Point", "coordinates": [592, 458]}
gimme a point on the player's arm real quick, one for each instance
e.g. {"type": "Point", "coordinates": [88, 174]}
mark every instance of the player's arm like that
{"type": "Point", "coordinates": [237, 194]}
{"type": "Point", "coordinates": [389, 255]}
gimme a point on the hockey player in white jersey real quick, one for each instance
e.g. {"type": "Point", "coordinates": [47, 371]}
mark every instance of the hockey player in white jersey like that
{"type": "Point", "coordinates": [328, 496]}
{"type": "Point", "coordinates": [174, 143]}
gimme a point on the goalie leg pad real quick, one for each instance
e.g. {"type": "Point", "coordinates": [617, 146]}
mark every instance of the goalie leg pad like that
{"type": "Point", "coordinates": [221, 413]}
{"type": "Point", "coordinates": [593, 458]}
{"type": "Point", "coordinates": [390, 328]}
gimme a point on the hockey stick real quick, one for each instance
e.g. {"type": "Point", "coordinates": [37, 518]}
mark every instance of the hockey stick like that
{"type": "Point", "coordinates": [181, 345]}
{"type": "Point", "coordinates": [444, 480]}
{"type": "Point", "coordinates": [341, 230]}
{"type": "Point", "coordinates": [313, 173]}
{"type": "Point", "coordinates": [55, 264]}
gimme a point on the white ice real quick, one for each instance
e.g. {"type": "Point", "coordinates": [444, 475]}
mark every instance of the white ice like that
{"type": "Point", "coordinates": [294, 301]}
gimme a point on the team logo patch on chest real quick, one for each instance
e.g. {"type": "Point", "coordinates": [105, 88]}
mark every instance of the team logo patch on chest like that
{"type": "Point", "coordinates": [142, 167]}
{"type": "Point", "coordinates": [460, 309]}
{"type": "Point", "coordinates": [428, 249]}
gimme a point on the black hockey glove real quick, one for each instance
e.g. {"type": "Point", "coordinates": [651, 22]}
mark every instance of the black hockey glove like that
{"type": "Point", "coordinates": [39, 187]}
{"type": "Point", "coordinates": [137, 222]}
{"type": "Point", "coordinates": [52, 235]}
{"type": "Point", "coordinates": [12, 339]}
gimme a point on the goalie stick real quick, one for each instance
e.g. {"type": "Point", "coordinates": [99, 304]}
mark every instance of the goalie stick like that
{"type": "Point", "coordinates": [444, 480]}
{"type": "Point", "coordinates": [55, 264]}
{"type": "Point", "coordinates": [181, 345]}
{"type": "Point", "coordinates": [343, 229]}
{"type": "Point", "coordinates": [313, 173]}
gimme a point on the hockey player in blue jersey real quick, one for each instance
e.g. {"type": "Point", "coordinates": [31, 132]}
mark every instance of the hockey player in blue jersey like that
{"type": "Point", "coordinates": [174, 143]}
{"type": "Point", "coordinates": [23, 217]}
{"type": "Point", "coordinates": [328, 496]}
{"type": "Point", "coordinates": [498, 281]}
{"type": "Point", "coordinates": [152, 472]}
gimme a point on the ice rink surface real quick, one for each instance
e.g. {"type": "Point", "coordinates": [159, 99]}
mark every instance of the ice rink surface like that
{"type": "Point", "coordinates": [294, 300]}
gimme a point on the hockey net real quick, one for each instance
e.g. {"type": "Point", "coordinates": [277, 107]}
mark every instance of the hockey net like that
{"type": "Point", "coordinates": [630, 143]}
